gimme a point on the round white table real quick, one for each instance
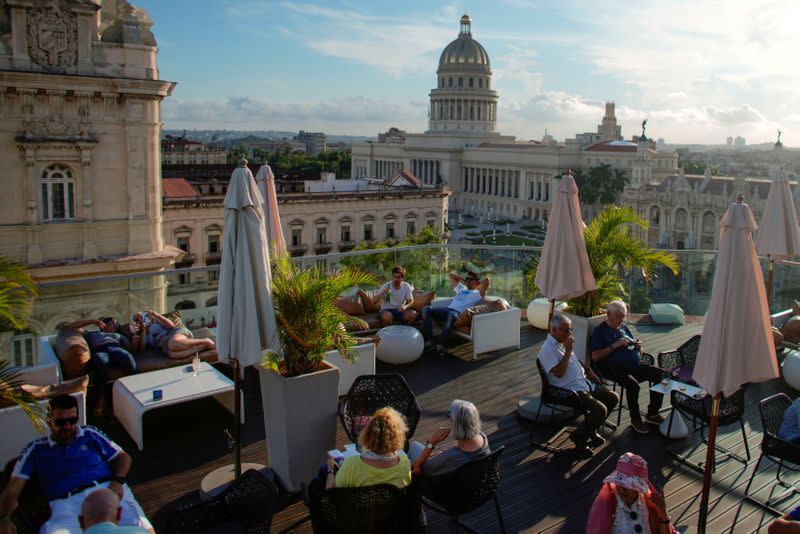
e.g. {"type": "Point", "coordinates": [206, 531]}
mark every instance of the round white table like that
{"type": "Point", "coordinates": [538, 310]}
{"type": "Point", "coordinates": [399, 344]}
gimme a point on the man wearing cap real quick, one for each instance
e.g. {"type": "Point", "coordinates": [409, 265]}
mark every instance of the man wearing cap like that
{"type": "Point", "coordinates": [628, 502]}
{"type": "Point", "coordinates": [470, 290]}
{"type": "Point", "coordinates": [70, 463]}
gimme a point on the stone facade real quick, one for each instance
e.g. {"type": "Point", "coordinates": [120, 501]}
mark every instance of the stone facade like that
{"type": "Point", "coordinates": [80, 116]}
{"type": "Point", "coordinates": [182, 151]}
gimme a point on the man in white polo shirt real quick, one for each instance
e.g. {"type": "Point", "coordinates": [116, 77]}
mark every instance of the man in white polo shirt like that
{"type": "Point", "coordinates": [470, 290]}
{"type": "Point", "coordinates": [565, 371]}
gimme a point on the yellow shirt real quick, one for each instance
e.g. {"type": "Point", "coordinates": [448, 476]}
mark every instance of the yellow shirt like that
{"type": "Point", "coordinates": [355, 473]}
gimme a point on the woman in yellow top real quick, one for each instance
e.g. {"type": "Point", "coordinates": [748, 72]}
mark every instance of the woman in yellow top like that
{"type": "Point", "coordinates": [382, 460]}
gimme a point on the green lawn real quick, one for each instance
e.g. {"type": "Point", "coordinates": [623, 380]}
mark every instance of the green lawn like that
{"type": "Point", "coordinates": [465, 226]}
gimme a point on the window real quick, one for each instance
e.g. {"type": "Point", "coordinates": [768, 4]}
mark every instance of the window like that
{"type": "Point", "coordinates": [368, 232]}
{"type": "Point", "coordinates": [411, 228]}
{"type": "Point", "coordinates": [389, 230]}
{"type": "Point", "coordinates": [213, 243]}
{"type": "Point", "coordinates": [322, 234]}
{"type": "Point", "coordinates": [471, 82]}
{"type": "Point", "coordinates": [345, 233]}
{"type": "Point", "coordinates": [430, 222]}
{"type": "Point", "coordinates": [58, 193]}
{"type": "Point", "coordinates": [183, 243]}
{"type": "Point", "coordinates": [23, 350]}
{"type": "Point", "coordinates": [655, 216]}
{"type": "Point", "coordinates": [460, 81]}
{"type": "Point", "coordinates": [213, 276]}
{"type": "Point", "coordinates": [297, 237]}
{"type": "Point", "coordinates": [480, 82]}
{"type": "Point", "coordinates": [450, 82]}
{"type": "Point", "coordinates": [184, 279]}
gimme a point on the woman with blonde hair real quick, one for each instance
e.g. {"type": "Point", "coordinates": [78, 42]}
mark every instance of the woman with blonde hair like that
{"type": "Point", "coordinates": [382, 460]}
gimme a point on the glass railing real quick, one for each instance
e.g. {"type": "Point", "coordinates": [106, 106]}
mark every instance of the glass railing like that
{"type": "Point", "coordinates": [511, 270]}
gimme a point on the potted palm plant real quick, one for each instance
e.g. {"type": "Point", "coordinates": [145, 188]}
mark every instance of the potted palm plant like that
{"type": "Point", "coordinates": [612, 250]}
{"type": "Point", "coordinates": [299, 390]}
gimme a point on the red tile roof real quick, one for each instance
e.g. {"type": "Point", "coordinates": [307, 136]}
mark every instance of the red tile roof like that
{"type": "Point", "coordinates": [177, 188]}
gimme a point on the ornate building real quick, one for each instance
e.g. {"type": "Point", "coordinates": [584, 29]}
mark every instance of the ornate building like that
{"type": "Point", "coordinates": [80, 116]}
{"type": "Point", "coordinates": [489, 173]}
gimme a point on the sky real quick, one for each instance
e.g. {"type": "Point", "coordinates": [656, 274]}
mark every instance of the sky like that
{"type": "Point", "coordinates": [698, 70]}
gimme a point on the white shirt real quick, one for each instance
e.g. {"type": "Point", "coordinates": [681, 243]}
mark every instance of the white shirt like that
{"type": "Point", "coordinates": [397, 297]}
{"type": "Point", "coordinates": [464, 298]}
{"type": "Point", "coordinates": [574, 377]}
{"type": "Point", "coordinates": [623, 524]}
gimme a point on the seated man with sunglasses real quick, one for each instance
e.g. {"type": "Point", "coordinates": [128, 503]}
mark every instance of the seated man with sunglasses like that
{"type": "Point", "coordinates": [70, 463]}
{"type": "Point", "coordinates": [469, 292]}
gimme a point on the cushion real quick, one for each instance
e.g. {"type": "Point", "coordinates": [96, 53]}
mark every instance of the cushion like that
{"type": "Point", "coordinates": [350, 305]}
{"type": "Point", "coordinates": [665, 313]}
{"type": "Point", "coordinates": [791, 329]}
{"type": "Point", "coordinates": [370, 303]}
{"type": "Point", "coordinates": [73, 352]}
{"type": "Point", "coordinates": [464, 320]}
{"type": "Point", "coordinates": [422, 298]}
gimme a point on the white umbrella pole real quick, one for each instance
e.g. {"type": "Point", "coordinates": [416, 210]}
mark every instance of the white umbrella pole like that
{"type": "Point", "coordinates": [769, 283]}
{"type": "Point", "coordinates": [237, 418]}
{"type": "Point", "coordinates": [709, 466]}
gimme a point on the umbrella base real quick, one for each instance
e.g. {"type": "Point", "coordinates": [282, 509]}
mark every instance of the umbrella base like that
{"type": "Point", "coordinates": [217, 480]}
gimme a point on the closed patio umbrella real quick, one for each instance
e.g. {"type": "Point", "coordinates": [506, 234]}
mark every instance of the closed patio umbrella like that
{"type": "Point", "coordinates": [736, 347]}
{"type": "Point", "coordinates": [564, 271]}
{"type": "Point", "coordinates": [266, 185]}
{"type": "Point", "coordinates": [778, 234]}
{"type": "Point", "coordinates": [246, 318]}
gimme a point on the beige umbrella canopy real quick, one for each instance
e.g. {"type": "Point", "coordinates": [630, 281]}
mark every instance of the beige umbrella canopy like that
{"type": "Point", "coordinates": [266, 185]}
{"type": "Point", "coordinates": [245, 316]}
{"type": "Point", "coordinates": [778, 234]}
{"type": "Point", "coordinates": [736, 347]}
{"type": "Point", "coordinates": [564, 271]}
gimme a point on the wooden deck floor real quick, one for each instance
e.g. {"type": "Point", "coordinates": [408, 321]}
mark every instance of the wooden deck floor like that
{"type": "Point", "coordinates": [538, 492]}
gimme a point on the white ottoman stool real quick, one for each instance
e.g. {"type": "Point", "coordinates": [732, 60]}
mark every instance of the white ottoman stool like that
{"type": "Point", "coordinates": [538, 309]}
{"type": "Point", "coordinates": [399, 344]}
{"type": "Point", "coordinates": [791, 369]}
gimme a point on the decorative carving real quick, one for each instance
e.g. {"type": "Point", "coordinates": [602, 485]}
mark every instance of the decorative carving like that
{"type": "Point", "coordinates": [52, 38]}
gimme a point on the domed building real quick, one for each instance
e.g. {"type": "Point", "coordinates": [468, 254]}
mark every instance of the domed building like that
{"type": "Point", "coordinates": [464, 100]}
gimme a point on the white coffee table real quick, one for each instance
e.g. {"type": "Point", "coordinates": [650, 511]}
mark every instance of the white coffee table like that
{"type": "Point", "coordinates": [133, 395]}
{"type": "Point", "coordinates": [399, 344]}
{"type": "Point", "coordinates": [677, 426]}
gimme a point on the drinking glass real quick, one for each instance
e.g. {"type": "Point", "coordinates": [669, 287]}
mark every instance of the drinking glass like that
{"type": "Point", "coordinates": [195, 364]}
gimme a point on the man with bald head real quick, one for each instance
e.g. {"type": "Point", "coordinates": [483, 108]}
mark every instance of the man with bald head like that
{"type": "Point", "coordinates": [100, 514]}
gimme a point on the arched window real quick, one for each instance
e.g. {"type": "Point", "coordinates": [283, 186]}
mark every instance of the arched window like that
{"type": "Point", "coordinates": [680, 219]}
{"type": "Point", "coordinates": [211, 302]}
{"type": "Point", "coordinates": [58, 193]}
{"type": "Point", "coordinates": [709, 222]}
{"type": "Point", "coordinates": [480, 82]}
{"type": "Point", "coordinates": [185, 305]}
{"type": "Point", "coordinates": [460, 81]}
{"type": "Point", "coordinates": [450, 82]}
{"type": "Point", "coordinates": [471, 82]}
{"type": "Point", "coordinates": [655, 216]}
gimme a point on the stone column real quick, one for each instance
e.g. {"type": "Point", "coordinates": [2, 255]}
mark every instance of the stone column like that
{"type": "Point", "coordinates": [87, 184]}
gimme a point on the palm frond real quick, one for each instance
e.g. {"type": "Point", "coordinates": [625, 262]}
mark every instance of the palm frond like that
{"type": "Point", "coordinates": [17, 292]}
{"type": "Point", "coordinates": [11, 391]}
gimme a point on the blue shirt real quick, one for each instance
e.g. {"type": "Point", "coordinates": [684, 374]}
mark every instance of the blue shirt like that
{"type": "Point", "coordinates": [62, 468]}
{"type": "Point", "coordinates": [604, 336]}
{"type": "Point", "coordinates": [794, 515]}
{"type": "Point", "coordinates": [790, 427]}
{"type": "Point", "coordinates": [98, 340]}
{"type": "Point", "coordinates": [464, 298]}
{"type": "Point", "coordinates": [111, 528]}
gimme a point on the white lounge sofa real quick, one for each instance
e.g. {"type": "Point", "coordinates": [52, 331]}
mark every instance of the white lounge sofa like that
{"type": "Point", "coordinates": [489, 331]}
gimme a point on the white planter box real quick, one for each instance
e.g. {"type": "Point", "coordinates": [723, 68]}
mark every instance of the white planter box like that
{"type": "Point", "coordinates": [299, 422]}
{"type": "Point", "coordinates": [582, 328]}
{"type": "Point", "coordinates": [348, 372]}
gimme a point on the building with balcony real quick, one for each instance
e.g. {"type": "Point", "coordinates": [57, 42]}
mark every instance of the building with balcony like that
{"type": "Point", "coordinates": [80, 121]}
{"type": "Point", "coordinates": [489, 173]}
{"type": "Point", "coordinates": [180, 151]}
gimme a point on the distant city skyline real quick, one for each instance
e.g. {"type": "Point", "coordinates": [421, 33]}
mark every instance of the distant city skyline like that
{"type": "Point", "coordinates": [700, 72]}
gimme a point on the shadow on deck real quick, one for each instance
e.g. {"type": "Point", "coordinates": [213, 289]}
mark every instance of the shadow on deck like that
{"type": "Point", "coordinates": [538, 492]}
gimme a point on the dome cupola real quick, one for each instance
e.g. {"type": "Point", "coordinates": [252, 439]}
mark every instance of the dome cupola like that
{"type": "Point", "coordinates": [464, 52]}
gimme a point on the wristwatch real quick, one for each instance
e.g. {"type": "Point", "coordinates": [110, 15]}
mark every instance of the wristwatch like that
{"type": "Point", "coordinates": [429, 445]}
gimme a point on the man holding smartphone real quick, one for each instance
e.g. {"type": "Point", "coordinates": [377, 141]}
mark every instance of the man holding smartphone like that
{"type": "Point", "coordinates": [617, 354]}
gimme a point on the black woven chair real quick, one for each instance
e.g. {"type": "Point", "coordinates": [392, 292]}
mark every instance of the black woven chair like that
{"type": "Point", "coordinates": [367, 509]}
{"type": "Point", "coordinates": [730, 410]}
{"type": "Point", "coordinates": [679, 363]}
{"type": "Point", "coordinates": [247, 503]}
{"type": "Point", "coordinates": [553, 397]}
{"type": "Point", "coordinates": [775, 449]}
{"type": "Point", "coordinates": [468, 487]}
{"type": "Point", "coordinates": [607, 375]}
{"type": "Point", "coordinates": [371, 392]}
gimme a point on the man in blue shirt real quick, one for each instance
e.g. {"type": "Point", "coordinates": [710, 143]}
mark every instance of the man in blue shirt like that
{"type": "Point", "coordinates": [617, 355]}
{"type": "Point", "coordinates": [469, 292]}
{"type": "Point", "coordinates": [70, 463]}
{"type": "Point", "coordinates": [790, 426]}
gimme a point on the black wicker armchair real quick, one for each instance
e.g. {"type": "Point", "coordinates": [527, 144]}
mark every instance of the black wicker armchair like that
{"type": "Point", "coordinates": [362, 510]}
{"type": "Point", "coordinates": [371, 392]}
{"type": "Point", "coordinates": [247, 503]}
{"type": "Point", "coordinates": [679, 363]}
{"type": "Point", "coordinates": [607, 375]}
{"type": "Point", "coordinates": [467, 488]}
{"type": "Point", "coordinates": [730, 410]}
{"type": "Point", "coordinates": [776, 449]}
{"type": "Point", "coordinates": [553, 397]}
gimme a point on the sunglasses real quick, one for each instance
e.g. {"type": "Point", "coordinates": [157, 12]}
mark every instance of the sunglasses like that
{"type": "Point", "coordinates": [66, 421]}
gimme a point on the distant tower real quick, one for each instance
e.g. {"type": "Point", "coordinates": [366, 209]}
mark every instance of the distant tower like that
{"type": "Point", "coordinates": [463, 101]}
{"type": "Point", "coordinates": [609, 130]}
{"type": "Point", "coordinates": [641, 167]}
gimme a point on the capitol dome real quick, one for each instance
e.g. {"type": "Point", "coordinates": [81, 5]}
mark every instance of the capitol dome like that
{"type": "Point", "coordinates": [464, 51]}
